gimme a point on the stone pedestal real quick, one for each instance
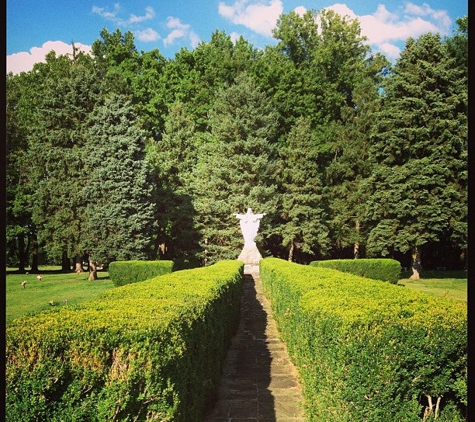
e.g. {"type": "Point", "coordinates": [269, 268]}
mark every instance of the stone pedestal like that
{"type": "Point", "coordinates": [251, 256]}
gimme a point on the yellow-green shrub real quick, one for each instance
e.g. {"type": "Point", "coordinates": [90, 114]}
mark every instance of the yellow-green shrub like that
{"type": "Point", "coordinates": [144, 351]}
{"type": "Point", "coordinates": [366, 350]}
{"type": "Point", "coordinates": [377, 269]}
{"type": "Point", "coordinates": [126, 272]}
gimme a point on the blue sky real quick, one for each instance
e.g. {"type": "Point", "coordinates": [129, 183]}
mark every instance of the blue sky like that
{"type": "Point", "coordinates": [35, 27]}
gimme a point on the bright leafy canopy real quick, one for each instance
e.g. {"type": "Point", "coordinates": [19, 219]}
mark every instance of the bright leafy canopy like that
{"type": "Point", "coordinates": [128, 155]}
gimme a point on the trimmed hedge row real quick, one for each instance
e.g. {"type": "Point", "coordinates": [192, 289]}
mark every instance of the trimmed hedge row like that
{"type": "Point", "coordinates": [377, 269]}
{"type": "Point", "coordinates": [366, 350]}
{"type": "Point", "coordinates": [127, 272]}
{"type": "Point", "coordinates": [150, 351]}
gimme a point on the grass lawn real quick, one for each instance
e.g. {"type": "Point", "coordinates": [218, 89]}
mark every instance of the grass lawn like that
{"type": "Point", "coordinates": [62, 288]}
{"type": "Point", "coordinates": [448, 284]}
{"type": "Point", "coordinates": [70, 288]}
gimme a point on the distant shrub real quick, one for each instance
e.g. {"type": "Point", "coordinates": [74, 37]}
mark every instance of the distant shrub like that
{"type": "Point", "coordinates": [141, 352]}
{"type": "Point", "coordinates": [366, 350]}
{"type": "Point", "coordinates": [377, 269]}
{"type": "Point", "coordinates": [127, 272]}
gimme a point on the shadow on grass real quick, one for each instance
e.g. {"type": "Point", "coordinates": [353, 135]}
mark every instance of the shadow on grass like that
{"type": "Point", "coordinates": [441, 274]}
{"type": "Point", "coordinates": [10, 271]}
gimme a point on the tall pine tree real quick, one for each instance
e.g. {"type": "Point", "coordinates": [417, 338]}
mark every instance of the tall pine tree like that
{"type": "Point", "coordinates": [66, 95]}
{"type": "Point", "coordinates": [350, 164]}
{"type": "Point", "coordinates": [236, 168]}
{"type": "Point", "coordinates": [173, 158]}
{"type": "Point", "coordinates": [120, 210]}
{"type": "Point", "coordinates": [304, 224]}
{"type": "Point", "coordinates": [419, 147]}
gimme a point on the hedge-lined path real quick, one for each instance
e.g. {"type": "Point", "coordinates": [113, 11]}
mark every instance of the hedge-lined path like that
{"type": "Point", "coordinates": [259, 383]}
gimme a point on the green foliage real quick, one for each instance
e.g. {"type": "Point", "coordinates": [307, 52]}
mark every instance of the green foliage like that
{"type": "Point", "coordinates": [303, 218]}
{"type": "Point", "coordinates": [120, 212]}
{"type": "Point", "coordinates": [376, 269]}
{"type": "Point", "coordinates": [144, 351]}
{"type": "Point", "coordinates": [67, 90]}
{"type": "Point", "coordinates": [116, 59]}
{"type": "Point", "coordinates": [173, 158]}
{"type": "Point", "coordinates": [418, 186]}
{"type": "Point", "coordinates": [236, 169]}
{"type": "Point", "coordinates": [126, 272]}
{"type": "Point", "coordinates": [368, 350]}
{"type": "Point", "coordinates": [457, 45]}
{"type": "Point", "coordinates": [19, 228]}
{"type": "Point", "coordinates": [349, 166]}
{"type": "Point", "coordinates": [379, 165]}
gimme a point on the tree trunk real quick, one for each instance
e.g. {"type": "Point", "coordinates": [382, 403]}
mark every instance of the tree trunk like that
{"type": "Point", "coordinates": [65, 262]}
{"type": "Point", "coordinates": [356, 247]}
{"type": "Point", "coordinates": [21, 253]}
{"type": "Point", "coordinates": [34, 254]}
{"type": "Point", "coordinates": [78, 264]}
{"type": "Point", "coordinates": [416, 263]}
{"type": "Point", "coordinates": [92, 270]}
{"type": "Point", "coordinates": [291, 252]}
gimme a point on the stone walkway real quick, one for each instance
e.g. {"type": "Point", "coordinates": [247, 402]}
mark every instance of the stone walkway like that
{"type": "Point", "coordinates": [259, 383]}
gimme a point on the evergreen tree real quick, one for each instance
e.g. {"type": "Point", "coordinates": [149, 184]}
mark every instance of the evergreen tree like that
{"type": "Point", "coordinates": [304, 224]}
{"type": "Point", "coordinates": [20, 230]}
{"type": "Point", "coordinates": [236, 168]}
{"type": "Point", "coordinates": [350, 164]}
{"type": "Point", "coordinates": [457, 45]}
{"type": "Point", "coordinates": [285, 86]}
{"type": "Point", "coordinates": [173, 158]}
{"type": "Point", "coordinates": [419, 147]}
{"type": "Point", "coordinates": [120, 210]}
{"type": "Point", "coordinates": [66, 95]}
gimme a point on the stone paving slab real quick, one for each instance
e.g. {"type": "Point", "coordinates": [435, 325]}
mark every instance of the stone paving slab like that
{"type": "Point", "coordinates": [259, 383]}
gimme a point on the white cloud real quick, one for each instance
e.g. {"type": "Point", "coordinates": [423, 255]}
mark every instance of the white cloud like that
{"type": "Point", "coordinates": [147, 35]}
{"type": "Point", "coordinates": [300, 10]}
{"type": "Point", "coordinates": [114, 16]}
{"type": "Point", "coordinates": [385, 30]}
{"type": "Point", "coordinates": [260, 16]}
{"type": "Point", "coordinates": [194, 39]}
{"type": "Point", "coordinates": [24, 61]}
{"type": "Point", "coordinates": [391, 51]}
{"type": "Point", "coordinates": [110, 16]}
{"type": "Point", "coordinates": [180, 30]}
{"type": "Point", "coordinates": [149, 14]}
{"type": "Point", "coordinates": [425, 10]}
{"type": "Point", "coordinates": [235, 36]}
{"type": "Point", "coordinates": [342, 9]}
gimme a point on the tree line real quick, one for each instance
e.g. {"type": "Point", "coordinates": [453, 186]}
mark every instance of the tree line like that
{"type": "Point", "coordinates": [121, 154]}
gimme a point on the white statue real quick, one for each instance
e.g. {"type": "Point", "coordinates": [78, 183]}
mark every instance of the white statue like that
{"type": "Point", "coordinates": [249, 226]}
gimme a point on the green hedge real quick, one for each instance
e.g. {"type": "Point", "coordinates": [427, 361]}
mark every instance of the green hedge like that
{"type": "Point", "coordinates": [366, 350]}
{"type": "Point", "coordinates": [377, 269]}
{"type": "Point", "coordinates": [127, 272]}
{"type": "Point", "coordinates": [141, 352]}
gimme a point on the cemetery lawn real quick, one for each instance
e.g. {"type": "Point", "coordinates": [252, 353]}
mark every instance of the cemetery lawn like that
{"type": "Point", "coordinates": [448, 284]}
{"type": "Point", "coordinates": [64, 289]}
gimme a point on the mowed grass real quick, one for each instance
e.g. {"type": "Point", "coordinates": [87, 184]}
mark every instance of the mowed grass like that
{"type": "Point", "coordinates": [61, 289]}
{"type": "Point", "coordinates": [447, 284]}
{"type": "Point", "coordinates": [66, 289]}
